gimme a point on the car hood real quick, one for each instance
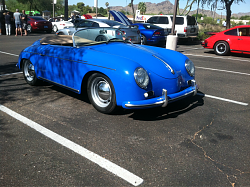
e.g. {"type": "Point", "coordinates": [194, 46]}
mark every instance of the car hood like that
{"type": "Point", "coordinates": [155, 60]}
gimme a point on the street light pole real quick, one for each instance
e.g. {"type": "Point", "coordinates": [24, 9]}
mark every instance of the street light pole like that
{"type": "Point", "coordinates": [66, 10]}
{"type": "Point", "coordinates": [174, 17]}
{"type": "Point", "coordinates": [171, 42]}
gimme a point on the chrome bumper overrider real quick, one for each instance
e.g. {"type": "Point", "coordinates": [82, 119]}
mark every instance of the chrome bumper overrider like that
{"type": "Point", "coordinates": [164, 99]}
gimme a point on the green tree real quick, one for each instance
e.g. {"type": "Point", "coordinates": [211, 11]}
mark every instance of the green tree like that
{"type": "Point", "coordinates": [187, 8]}
{"type": "Point", "coordinates": [80, 7]}
{"type": "Point", "coordinates": [142, 7]}
{"type": "Point", "coordinates": [245, 18]}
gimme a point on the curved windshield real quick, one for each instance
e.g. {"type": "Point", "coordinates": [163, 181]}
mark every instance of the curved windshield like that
{"type": "Point", "coordinates": [93, 36]}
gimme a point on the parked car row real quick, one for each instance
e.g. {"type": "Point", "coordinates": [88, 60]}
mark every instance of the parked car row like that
{"type": "Point", "coordinates": [130, 32]}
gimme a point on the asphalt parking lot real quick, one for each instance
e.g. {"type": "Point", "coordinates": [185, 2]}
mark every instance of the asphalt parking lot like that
{"type": "Point", "coordinates": [53, 137]}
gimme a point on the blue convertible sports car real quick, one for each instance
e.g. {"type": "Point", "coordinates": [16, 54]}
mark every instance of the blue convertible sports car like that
{"type": "Point", "coordinates": [114, 73]}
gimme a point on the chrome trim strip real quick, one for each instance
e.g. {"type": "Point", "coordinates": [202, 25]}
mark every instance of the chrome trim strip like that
{"type": "Point", "coordinates": [171, 100]}
{"type": "Point", "coordinates": [69, 88]}
{"type": "Point", "coordinates": [146, 105]}
{"type": "Point", "coordinates": [169, 67]}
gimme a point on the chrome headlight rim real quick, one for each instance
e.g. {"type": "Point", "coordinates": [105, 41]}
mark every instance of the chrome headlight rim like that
{"type": "Point", "coordinates": [189, 65]}
{"type": "Point", "coordinates": [141, 77]}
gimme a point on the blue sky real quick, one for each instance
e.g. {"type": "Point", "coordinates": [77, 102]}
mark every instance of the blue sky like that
{"type": "Point", "coordinates": [236, 8]}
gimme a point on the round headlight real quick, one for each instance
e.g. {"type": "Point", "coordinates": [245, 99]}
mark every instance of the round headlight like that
{"type": "Point", "coordinates": [141, 77]}
{"type": "Point", "coordinates": [190, 67]}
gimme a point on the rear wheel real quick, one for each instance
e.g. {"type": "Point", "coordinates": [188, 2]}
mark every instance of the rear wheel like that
{"type": "Point", "coordinates": [221, 48]}
{"type": "Point", "coordinates": [29, 28]}
{"type": "Point", "coordinates": [100, 38]}
{"type": "Point", "coordinates": [55, 29]}
{"type": "Point", "coordinates": [143, 40]}
{"type": "Point", "coordinates": [101, 93]}
{"type": "Point", "coordinates": [29, 73]}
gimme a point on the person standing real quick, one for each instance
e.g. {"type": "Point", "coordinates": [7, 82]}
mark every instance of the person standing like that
{"type": "Point", "coordinates": [8, 23]}
{"type": "Point", "coordinates": [1, 19]}
{"type": "Point", "coordinates": [24, 22]}
{"type": "Point", "coordinates": [18, 23]}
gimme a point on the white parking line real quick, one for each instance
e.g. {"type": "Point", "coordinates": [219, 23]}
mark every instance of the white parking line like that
{"type": "Point", "coordinates": [102, 162]}
{"type": "Point", "coordinates": [10, 74]}
{"type": "Point", "coordinates": [8, 53]}
{"type": "Point", "coordinates": [218, 57]}
{"type": "Point", "coordinates": [222, 70]}
{"type": "Point", "coordinates": [223, 99]}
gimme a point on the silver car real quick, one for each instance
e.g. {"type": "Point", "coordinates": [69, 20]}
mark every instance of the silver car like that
{"type": "Point", "coordinates": [131, 33]}
{"type": "Point", "coordinates": [100, 34]}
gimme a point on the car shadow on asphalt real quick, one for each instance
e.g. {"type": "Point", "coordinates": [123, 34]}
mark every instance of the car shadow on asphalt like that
{"type": "Point", "coordinates": [173, 110]}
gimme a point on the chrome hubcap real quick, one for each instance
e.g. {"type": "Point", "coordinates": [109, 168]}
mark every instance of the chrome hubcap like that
{"type": "Point", "coordinates": [55, 28]}
{"type": "Point", "coordinates": [221, 48]}
{"type": "Point", "coordinates": [101, 92]}
{"type": "Point", "coordinates": [29, 71]}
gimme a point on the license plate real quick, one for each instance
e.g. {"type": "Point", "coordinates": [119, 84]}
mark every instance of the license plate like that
{"type": "Point", "coordinates": [45, 27]}
{"type": "Point", "coordinates": [192, 30]}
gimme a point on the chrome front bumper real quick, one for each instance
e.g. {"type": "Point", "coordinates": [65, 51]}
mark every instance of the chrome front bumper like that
{"type": "Point", "coordinates": [163, 100]}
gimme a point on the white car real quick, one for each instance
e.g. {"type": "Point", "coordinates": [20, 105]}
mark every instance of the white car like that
{"type": "Point", "coordinates": [185, 26]}
{"type": "Point", "coordinates": [58, 23]}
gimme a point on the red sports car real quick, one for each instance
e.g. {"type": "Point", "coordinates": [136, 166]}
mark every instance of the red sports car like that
{"type": "Point", "coordinates": [236, 40]}
{"type": "Point", "coordinates": [38, 24]}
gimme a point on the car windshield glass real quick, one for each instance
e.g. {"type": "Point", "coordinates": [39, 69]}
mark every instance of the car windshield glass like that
{"type": "Point", "coordinates": [178, 20]}
{"type": "Point", "coordinates": [191, 20]}
{"type": "Point", "coordinates": [149, 26]}
{"type": "Point", "coordinates": [38, 18]}
{"type": "Point", "coordinates": [93, 36]}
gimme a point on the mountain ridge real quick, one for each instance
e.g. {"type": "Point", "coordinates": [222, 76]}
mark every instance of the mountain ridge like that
{"type": "Point", "coordinates": [166, 7]}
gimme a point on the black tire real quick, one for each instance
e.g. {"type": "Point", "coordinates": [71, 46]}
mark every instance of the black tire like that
{"type": "Point", "coordinates": [100, 38]}
{"type": "Point", "coordinates": [143, 40]}
{"type": "Point", "coordinates": [101, 93]}
{"type": "Point", "coordinates": [29, 73]}
{"type": "Point", "coordinates": [55, 29]}
{"type": "Point", "coordinates": [29, 28]}
{"type": "Point", "coordinates": [60, 33]}
{"type": "Point", "coordinates": [49, 31]}
{"type": "Point", "coordinates": [221, 48]}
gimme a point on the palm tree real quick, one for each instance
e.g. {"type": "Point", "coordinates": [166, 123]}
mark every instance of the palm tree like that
{"type": "Point", "coordinates": [142, 7]}
{"type": "Point", "coordinates": [227, 4]}
{"type": "Point", "coordinates": [107, 5]}
{"type": "Point", "coordinates": [133, 10]}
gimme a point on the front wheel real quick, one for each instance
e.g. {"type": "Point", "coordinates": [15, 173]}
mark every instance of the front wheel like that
{"type": "Point", "coordinates": [221, 48]}
{"type": "Point", "coordinates": [101, 93]}
{"type": "Point", "coordinates": [29, 73]}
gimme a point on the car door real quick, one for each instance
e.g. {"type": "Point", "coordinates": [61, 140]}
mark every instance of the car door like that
{"type": "Point", "coordinates": [244, 39]}
{"type": "Point", "coordinates": [59, 65]}
{"type": "Point", "coordinates": [232, 37]}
